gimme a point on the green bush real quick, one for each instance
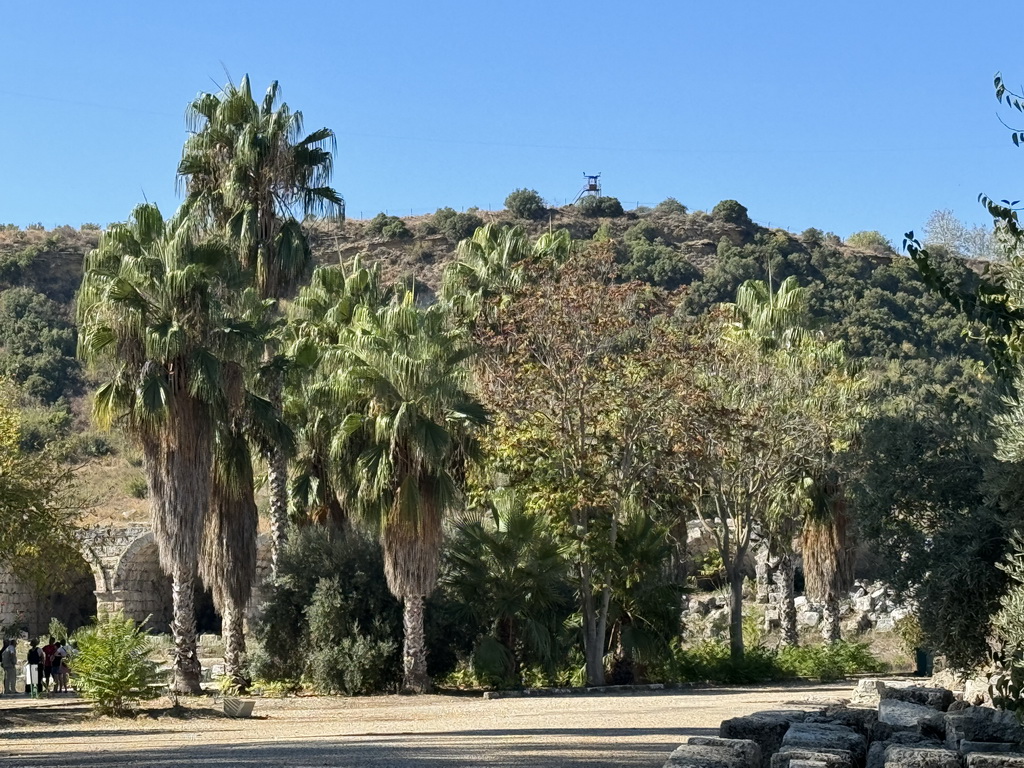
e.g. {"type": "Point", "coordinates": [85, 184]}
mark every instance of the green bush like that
{"type": "Point", "coordinates": [670, 207]}
{"type": "Point", "coordinates": [657, 265]}
{"type": "Point", "coordinates": [330, 619]}
{"type": "Point", "coordinates": [731, 212]}
{"type": "Point", "coordinates": [389, 227]}
{"type": "Point", "coordinates": [828, 661]}
{"type": "Point", "coordinates": [453, 225]}
{"type": "Point", "coordinates": [113, 668]}
{"type": "Point", "coordinates": [870, 240]}
{"type": "Point", "coordinates": [136, 487]}
{"type": "Point", "coordinates": [525, 204]}
{"type": "Point", "coordinates": [595, 207]}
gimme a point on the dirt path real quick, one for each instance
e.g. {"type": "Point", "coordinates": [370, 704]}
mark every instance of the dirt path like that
{"type": "Point", "coordinates": [393, 731]}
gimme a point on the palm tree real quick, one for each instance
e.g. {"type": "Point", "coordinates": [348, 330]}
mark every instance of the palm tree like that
{"type": "Point", "coordinates": [406, 434]}
{"type": "Point", "coordinates": [148, 310]}
{"type": "Point", "coordinates": [250, 172]}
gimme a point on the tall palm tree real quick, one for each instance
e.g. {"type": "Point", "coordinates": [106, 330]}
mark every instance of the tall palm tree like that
{"type": "Point", "coordinates": [148, 310]}
{"type": "Point", "coordinates": [401, 379]}
{"type": "Point", "coordinates": [250, 172]}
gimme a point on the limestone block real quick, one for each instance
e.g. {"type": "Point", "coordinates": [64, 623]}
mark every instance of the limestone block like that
{"type": "Point", "coordinates": [694, 756]}
{"type": "Point", "coordinates": [790, 757]}
{"type": "Point", "coordinates": [819, 737]}
{"type": "Point", "coordinates": [864, 603]}
{"type": "Point", "coordinates": [744, 748]}
{"type": "Point", "coordinates": [885, 624]}
{"type": "Point", "coordinates": [936, 698]}
{"type": "Point", "coordinates": [904, 714]}
{"type": "Point", "coordinates": [765, 730]}
{"type": "Point", "coordinates": [993, 760]}
{"type": "Point", "coordinates": [967, 747]}
{"type": "Point", "coordinates": [982, 724]}
{"type": "Point", "coordinates": [808, 618]}
{"type": "Point", "coordinates": [900, 756]}
{"type": "Point", "coordinates": [860, 719]}
{"type": "Point", "coordinates": [800, 602]}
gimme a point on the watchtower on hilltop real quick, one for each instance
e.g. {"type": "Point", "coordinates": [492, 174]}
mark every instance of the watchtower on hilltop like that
{"type": "Point", "coordinates": [592, 187]}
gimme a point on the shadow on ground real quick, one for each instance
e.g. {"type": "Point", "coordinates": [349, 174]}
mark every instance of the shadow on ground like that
{"type": "Point", "coordinates": [537, 748]}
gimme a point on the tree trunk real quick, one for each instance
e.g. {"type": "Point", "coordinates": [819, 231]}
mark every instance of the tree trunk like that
{"type": "Point", "coordinates": [234, 645]}
{"type": "Point", "coordinates": [762, 572]}
{"type": "Point", "coordinates": [277, 479]}
{"type": "Point", "coordinates": [414, 656]}
{"type": "Point", "coordinates": [736, 613]}
{"type": "Point", "coordinates": [830, 630]}
{"type": "Point", "coordinates": [783, 578]}
{"type": "Point", "coordinates": [593, 645]}
{"type": "Point", "coordinates": [186, 674]}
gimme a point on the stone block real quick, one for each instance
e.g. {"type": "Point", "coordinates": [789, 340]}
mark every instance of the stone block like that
{"type": "Point", "coordinates": [765, 730]}
{"type": "Point", "coordinates": [864, 604]}
{"type": "Point", "coordinates": [808, 618]}
{"type": "Point", "coordinates": [967, 747]}
{"type": "Point", "coordinates": [860, 719]}
{"type": "Point", "coordinates": [982, 724]}
{"type": "Point", "coordinates": [903, 714]}
{"type": "Point", "coordinates": [900, 756]}
{"type": "Point", "coordinates": [790, 757]}
{"type": "Point", "coordinates": [800, 602]}
{"type": "Point", "coordinates": [823, 737]}
{"type": "Point", "coordinates": [885, 624]}
{"type": "Point", "coordinates": [695, 756]}
{"type": "Point", "coordinates": [748, 750]}
{"type": "Point", "coordinates": [936, 698]}
{"type": "Point", "coordinates": [993, 760]}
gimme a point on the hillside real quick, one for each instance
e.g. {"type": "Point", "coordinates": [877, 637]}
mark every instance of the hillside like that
{"type": "Point", "coordinates": [871, 299]}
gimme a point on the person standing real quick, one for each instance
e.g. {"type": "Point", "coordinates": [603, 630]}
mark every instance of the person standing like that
{"type": "Point", "coordinates": [48, 650]}
{"type": "Point", "coordinates": [9, 662]}
{"type": "Point", "coordinates": [35, 661]}
{"type": "Point", "coordinates": [59, 669]}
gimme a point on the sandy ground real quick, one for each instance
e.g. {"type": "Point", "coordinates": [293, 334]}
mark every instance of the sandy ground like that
{"type": "Point", "coordinates": [394, 731]}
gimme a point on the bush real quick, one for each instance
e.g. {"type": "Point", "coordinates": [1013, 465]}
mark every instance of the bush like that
{"type": "Point", "coordinates": [829, 661]}
{"type": "Point", "coordinates": [643, 231]}
{"type": "Point", "coordinates": [525, 204]}
{"type": "Point", "coordinates": [870, 240]}
{"type": "Point", "coordinates": [112, 667]}
{"type": "Point", "coordinates": [731, 212]}
{"type": "Point", "coordinates": [136, 487]}
{"type": "Point", "coordinates": [390, 227]}
{"type": "Point", "coordinates": [594, 207]}
{"type": "Point", "coordinates": [330, 619]}
{"type": "Point", "coordinates": [455, 226]}
{"type": "Point", "coordinates": [657, 265]}
{"type": "Point", "coordinates": [670, 207]}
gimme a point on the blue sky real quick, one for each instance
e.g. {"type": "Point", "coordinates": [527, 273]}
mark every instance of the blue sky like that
{"type": "Point", "coordinates": [843, 116]}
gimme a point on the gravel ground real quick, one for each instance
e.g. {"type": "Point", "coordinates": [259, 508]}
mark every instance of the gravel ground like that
{"type": "Point", "coordinates": [596, 731]}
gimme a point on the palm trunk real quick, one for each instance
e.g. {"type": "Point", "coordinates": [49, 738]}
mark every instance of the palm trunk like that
{"type": "Point", "coordinates": [414, 656]}
{"type": "Point", "coordinates": [234, 645]}
{"type": "Point", "coordinates": [186, 674]}
{"type": "Point", "coordinates": [277, 478]}
{"type": "Point", "coordinates": [736, 613]}
{"type": "Point", "coordinates": [830, 630]}
{"type": "Point", "coordinates": [783, 578]}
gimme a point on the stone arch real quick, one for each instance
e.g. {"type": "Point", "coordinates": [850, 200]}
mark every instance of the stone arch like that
{"type": "Point", "coordinates": [139, 587]}
{"type": "Point", "coordinates": [29, 609]}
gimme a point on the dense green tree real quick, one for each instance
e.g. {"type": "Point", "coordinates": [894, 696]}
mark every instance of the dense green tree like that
{"type": "Point", "coordinates": [525, 204]}
{"type": "Point", "coordinates": [37, 345]}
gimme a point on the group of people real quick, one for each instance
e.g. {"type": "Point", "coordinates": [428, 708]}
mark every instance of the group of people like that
{"type": "Point", "coordinates": [45, 667]}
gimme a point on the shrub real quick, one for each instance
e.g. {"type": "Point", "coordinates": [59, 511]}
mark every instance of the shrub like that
{"type": "Point", "coordinates": [658, 265]}
{"type": "Point", "coordinates": [136, 487]}
{"type": "Point", "coordinates": [112, 667]}
{"type": "Point", "coordinates": [593, 206]}
{"type": "Point", "coordinates": [455, 226]}
{"type": "Point", "coordinates": [390, 227]}
{"type": "Point", "coordinates": [330, 619]}
{"type": "Point", "coordinates": [642, 230]}
{"type": "Point", "coordinates": [870, 240]}
{"type": "Point", "coordinates": [828, 661]}
{"type": "Point", "coordinates": [670, 207]}
{"type": "Point", "coordinates": [731, 212]}
{"type": "Point", "coordinates": [525, 204]}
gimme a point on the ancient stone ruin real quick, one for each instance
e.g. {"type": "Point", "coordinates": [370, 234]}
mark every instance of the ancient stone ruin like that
{"type": "Point", "coordinates": [911, 727]}
{"type": "Point", "coordinates": [119, 570]}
